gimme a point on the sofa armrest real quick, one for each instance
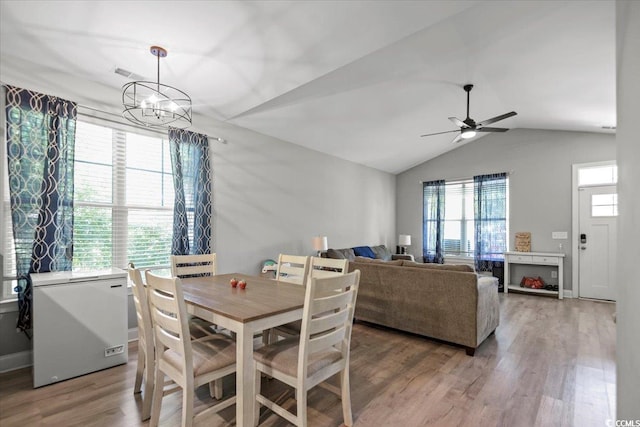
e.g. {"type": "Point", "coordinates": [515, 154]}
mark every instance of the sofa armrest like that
{"type": "Point", "coordinates": [488, 314]}
{"type": "Point", "coordinates": [404, 257]}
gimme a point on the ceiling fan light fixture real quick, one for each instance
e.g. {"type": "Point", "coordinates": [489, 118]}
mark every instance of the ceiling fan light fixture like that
{"type": "Point", "coordinates": [468, 133]}
{"type": "Point", "coordinates": [153, 104]}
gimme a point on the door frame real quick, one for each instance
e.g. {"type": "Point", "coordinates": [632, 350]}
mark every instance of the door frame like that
{"type": "Point", "coordinates": [575, 221]}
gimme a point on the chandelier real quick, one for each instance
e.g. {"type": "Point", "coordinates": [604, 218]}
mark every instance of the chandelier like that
{"type": "Point", "coordinates": [154, 104]}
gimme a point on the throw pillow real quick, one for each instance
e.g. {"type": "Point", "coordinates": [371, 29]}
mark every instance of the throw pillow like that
{"type": "Point", "coordinates": [341, 254]}
{"type": "Point", "coordinates": [364, 251]}
{"type": "Point", "coordinates": [382, 252]}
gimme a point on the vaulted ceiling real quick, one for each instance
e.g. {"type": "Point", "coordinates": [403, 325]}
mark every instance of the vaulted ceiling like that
{"type": "Point", "coordinates": [360, 80]}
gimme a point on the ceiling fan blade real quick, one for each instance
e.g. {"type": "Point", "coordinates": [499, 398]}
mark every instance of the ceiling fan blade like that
{"type": "Point", "coordinates": [456, 121]}
{"type": "Point", "coordinates": [492, 130]}
{"type": "Point", "coordinates": [440, 133]}
{"type": "Point", "coordinates": [457, 139]}
{"type": "Point", "coordinates": [497, 118]}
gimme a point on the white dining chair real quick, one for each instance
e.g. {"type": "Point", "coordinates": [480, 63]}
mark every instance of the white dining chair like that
{"type": "Point", "coordinates": [145, 367]}
{"type": "Point", "coordinates": [318, 268]}
{"type": "Point", "coordinates": [292, 269]}
{"type": "Point", "coordinates": [321, 351]}
{"type": "Point", "coordinates": [188, 363]}
{"type": "Point", "coordinates": [184, 266]}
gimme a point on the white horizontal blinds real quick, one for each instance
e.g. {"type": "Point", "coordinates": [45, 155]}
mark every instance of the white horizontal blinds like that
{"type": "Point", "coordinates": [93, 197]}
{"type": "Point", "coordinates": [123, 199]}
{"type": "Point", "coordinates": [149, 199]}
{"type": "Point", "coordinates": [492, 217]}
{"type": "Point", "coordinates": [459, 213]}
{"type": "Point", "coordinates": [9, 250]}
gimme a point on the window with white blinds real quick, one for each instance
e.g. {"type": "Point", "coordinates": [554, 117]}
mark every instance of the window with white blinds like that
{"type": "Point", "coordinates": [459, 214]}
{"type": "Point", "coordinates": [123, 199]}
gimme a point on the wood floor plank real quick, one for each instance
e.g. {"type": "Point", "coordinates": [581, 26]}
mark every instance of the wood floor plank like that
{"type": "Point", "coordinates": [550, 363]}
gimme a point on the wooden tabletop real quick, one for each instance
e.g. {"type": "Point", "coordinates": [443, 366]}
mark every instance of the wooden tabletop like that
{"type": "Point", "coordinates": [261, 298]}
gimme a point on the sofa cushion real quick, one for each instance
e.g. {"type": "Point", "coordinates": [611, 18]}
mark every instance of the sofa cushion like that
{"type": "Point", "coordinates": [365, 251]}
{"type": "Point", "coordinates": [346, 253]}
{"type": "Point", "coordinates": [376, 261]}
{"type": "Point", "coordinates": [448, 267]}
{"type": "Point", "coordinates": [382, 252]}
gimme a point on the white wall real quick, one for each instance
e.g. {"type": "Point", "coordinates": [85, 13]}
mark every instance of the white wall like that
{"type": "Point", "coordinates": [628, 96]}
{"type": "Point", "coordinates": [271, 196]}
{"type": "Point", "coordinates": [539, 163]}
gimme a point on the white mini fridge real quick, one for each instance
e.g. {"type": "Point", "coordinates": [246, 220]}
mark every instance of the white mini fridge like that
{"type": "Point", "coordinates": [79, 323]}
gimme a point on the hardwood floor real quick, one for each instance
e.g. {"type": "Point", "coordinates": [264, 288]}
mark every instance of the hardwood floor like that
{"type": "Point", "coordinates": [550, 363]}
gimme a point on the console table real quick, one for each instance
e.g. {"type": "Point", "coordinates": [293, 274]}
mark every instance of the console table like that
{"type": "Point", "coordinates": [534, 258]}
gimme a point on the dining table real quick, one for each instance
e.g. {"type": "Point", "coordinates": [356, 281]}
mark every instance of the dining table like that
{"type": "Point", "coordinates": [263, 304]}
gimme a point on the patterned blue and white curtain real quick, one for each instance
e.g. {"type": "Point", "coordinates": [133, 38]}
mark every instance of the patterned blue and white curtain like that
{"type": "Point", "coordinates": [40, 136]}
{"type": "Point", "coordinates": [192, 181]}
{"type": "Point", "coordinates": [433, 221]}
{"type": "Point", "coordinates": [490, 203]}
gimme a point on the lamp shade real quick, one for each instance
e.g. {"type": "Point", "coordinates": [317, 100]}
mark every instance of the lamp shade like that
{"type": "Point", "coordinates": [404, 240]}
{"type": "Point", "coordinates": [320, 243]}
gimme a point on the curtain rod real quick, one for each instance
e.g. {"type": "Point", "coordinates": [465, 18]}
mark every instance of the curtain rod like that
{"type": "Point", "coordinates": [119, 122]}
{"type": "Point", "coordinates": [467, 178]}
{"type": "Point", "coordinates": [132, 125]}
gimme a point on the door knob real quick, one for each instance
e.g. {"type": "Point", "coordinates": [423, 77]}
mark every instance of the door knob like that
{"type": "Point", "coordinates": [583, 247]}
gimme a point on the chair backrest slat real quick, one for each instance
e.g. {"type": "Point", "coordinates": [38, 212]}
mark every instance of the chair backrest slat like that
{"type": "Point", "coordinates": [330, 302]}
{"type": "Point", "coordinates": [293, 269]}
{"type": "Point", "coordinates": [328, 322]}
{"type": "Point", "coordinates": [191, 265]}
{"type": "Point", "coordinates": [327, 267]}
{"type": "Point", "coordinates": [325, 341]}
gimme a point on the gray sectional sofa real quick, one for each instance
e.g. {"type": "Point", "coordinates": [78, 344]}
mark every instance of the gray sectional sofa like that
{"type": "Point", "coordinates": [446, 302]}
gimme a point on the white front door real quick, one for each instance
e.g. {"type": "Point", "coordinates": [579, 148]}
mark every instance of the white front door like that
{"type": "Point", "coordinates": [597, 242]}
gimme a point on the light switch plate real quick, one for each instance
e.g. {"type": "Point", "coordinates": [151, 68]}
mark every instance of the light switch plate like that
{"type": "Point", "coordinates": [559, 235]}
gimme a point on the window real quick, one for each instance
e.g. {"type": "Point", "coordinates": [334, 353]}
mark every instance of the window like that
{"type": "Point", "coordinates": [459, 221]}
{"type": "Point", "coordinates": [604, 205]}
{"type": "Point", "coordinates": [123, 202]}
{"type": "Point", "coordinates": [598, 175]}
{"type": "Point", "coordinates": [123, 199]}
{"type": "Point", "coordinates": [466, 218]}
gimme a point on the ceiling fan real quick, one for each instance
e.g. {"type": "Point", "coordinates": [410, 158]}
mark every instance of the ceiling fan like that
{"type": "Point", "coordinates": [469, 128]}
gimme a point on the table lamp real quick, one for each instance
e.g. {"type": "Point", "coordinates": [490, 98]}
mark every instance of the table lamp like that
{"type": "Point", "coordinates": [320, 244]}
{"type": "Point", "coordinates": [404, 240]}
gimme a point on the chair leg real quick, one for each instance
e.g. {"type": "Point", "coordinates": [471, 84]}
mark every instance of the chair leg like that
{"type": "Point", "coordinates": [346, 397]}
{"type": "Point", "coordinates": [257, 378]}
{"type": "Point", "coordinates": [137, 388]}
{"type": "Point", "coordinates": [301, 399]}
{"type": "Point", "coordinates": [215, 389]}
{"type": "Point", "coordinates": [157, 398]}
{"type": "Point", "coordinates": [148, 390]}
{"type": "Point", "coordinates": [187, 407]}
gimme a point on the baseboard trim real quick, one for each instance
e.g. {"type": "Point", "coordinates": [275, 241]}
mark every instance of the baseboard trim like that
{"type": "Point", "coordinates": [13, 361]}
{"type": "Point", "coordinates": [568, 293]}
{"type": "Point", "coordinates": [133, 334]}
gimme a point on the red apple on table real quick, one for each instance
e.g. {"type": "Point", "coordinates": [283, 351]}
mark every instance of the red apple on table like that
{"type": "Point", "coordinates": [234, 282]}
{"type": "Point", "coordinates": [242, 284]}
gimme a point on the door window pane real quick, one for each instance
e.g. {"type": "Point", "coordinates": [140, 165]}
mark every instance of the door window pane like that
{"type": "Point", "coordinates": [604, 205]}
{"type": "Point", "coordinates": [598, 175]}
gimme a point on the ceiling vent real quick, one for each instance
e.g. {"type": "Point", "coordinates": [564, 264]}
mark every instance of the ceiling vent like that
{"type": "Point", "coordinates": [128, 74]}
